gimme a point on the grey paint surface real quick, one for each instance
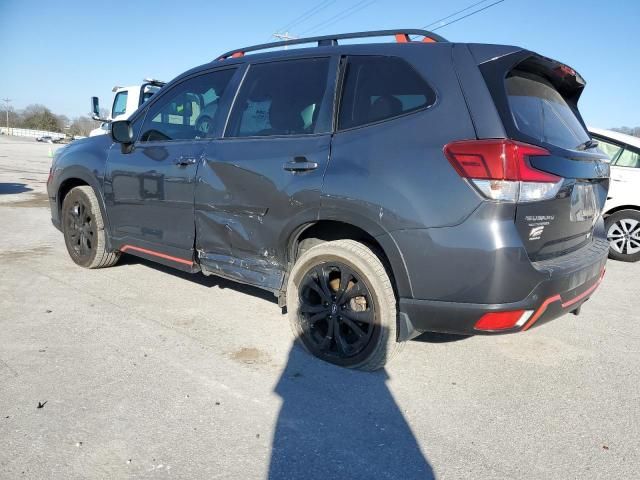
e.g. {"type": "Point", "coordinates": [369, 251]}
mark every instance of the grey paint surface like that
{"type": "Point", "coordinates": [239, 208]}
{"type": "Point", "coordinates": [152, 373]}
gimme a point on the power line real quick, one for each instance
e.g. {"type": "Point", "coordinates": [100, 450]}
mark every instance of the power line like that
{"type": "Point", "coordinates": [305, 16]}
{"type": "Point", "coordinates": [308, 14]}
{"type": "Point", "coordinates": [468, 15]}
{"type": "Point", "coordinates": [284, 36]}
{"type": "Point", "coordinates": [347, 12]}
{"type": "Point", "coordinates": [454, 14]}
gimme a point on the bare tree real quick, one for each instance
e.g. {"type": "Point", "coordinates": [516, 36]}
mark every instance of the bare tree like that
{"type": "Point", "coordinates": [635, 131]}
{"type": "Point", "coordinates": [82, 126]}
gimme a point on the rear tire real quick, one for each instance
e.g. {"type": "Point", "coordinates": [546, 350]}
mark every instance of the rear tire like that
{"type": "Point", "coordinates": [83, 229]}
{"type": "Point", "coordinates": [623, 233]}
{"type": "Point", "coordinates": [342, 307]}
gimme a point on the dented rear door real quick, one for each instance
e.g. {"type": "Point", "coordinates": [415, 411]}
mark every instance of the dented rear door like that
{"type": "Point", "coordinates": [264, 177]}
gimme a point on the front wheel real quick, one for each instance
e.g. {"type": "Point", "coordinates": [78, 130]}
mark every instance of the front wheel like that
{"type": "Point", "coordinates": [342, 307]}
{"type": "Point", "coordinates": [623, 233]}
{"type": "Point", "coordinates": [83, 229]}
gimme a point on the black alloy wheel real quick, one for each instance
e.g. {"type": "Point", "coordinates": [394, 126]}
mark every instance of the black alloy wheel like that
{"type": "Point", "coordinates": [83, 228]}
{"type": "Point", "coordinates": [80, 226]}
{"type": "Point", "coordinates": [337, 313]}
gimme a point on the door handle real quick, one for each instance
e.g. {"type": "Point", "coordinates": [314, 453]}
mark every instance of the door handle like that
{"type": "Point", "coordinates": [184, 161]}
{"type": "Point", "coordinates": [300, 164]}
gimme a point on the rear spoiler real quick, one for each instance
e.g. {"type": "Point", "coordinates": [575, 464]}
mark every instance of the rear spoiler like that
{"type": "Point", "coordinates": [492, 63]}
{"type": "Point", "coordinates": [502, 59]}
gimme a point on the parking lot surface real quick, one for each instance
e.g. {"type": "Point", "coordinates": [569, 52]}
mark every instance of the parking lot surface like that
{"type": "Point", "coordinates": [145, 372]}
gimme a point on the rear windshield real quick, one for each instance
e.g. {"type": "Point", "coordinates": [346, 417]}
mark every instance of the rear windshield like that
{"type": "Point", "coordinates": [539, 111]}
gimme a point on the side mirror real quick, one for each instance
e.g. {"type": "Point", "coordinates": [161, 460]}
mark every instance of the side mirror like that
{"type": "Point", "coordinates": [95, 110]}
{"type": "Point", "coordinates": [122, 132]}
{"type": "Point", "coordinates": [95, 106]}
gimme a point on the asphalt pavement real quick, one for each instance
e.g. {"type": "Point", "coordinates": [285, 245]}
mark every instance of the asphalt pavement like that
{"type": "Point", "coordinates": [139, 371]}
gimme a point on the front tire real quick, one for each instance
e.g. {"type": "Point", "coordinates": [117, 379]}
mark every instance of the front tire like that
{"type": "Point", "coordinates": [342, 307]}
{"type": "Point", "coordinates": [83, 229]}
{"type": "Point", "coordinates": [623, 233]}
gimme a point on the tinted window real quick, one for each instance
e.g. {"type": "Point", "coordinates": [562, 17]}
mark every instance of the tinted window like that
{"type": "Point", "coordinates": [119, 104]}
{"type": "Point", "coordinates": [539, 111]}
{"type": "Point", "coordinates": [377, 88]}
{"type": "Point", "coordinates": [280, 98]}
{"type": "Point", "coordinates": [187, 111]}
{"type": "Point", "coordinates": [628, 158]}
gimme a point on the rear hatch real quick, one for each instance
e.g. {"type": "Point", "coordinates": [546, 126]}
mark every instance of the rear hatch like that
{"type": "Point", "coordinates": [537, 98]}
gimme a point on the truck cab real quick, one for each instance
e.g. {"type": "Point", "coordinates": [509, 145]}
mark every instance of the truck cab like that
{"type": "Point", "coordinates": [125, 101]}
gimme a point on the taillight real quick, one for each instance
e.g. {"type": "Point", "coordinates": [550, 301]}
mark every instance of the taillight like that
{"type": "Point", "coordinates": [500, 169]}
{"type": "Point", "coordinates": [50, 175]}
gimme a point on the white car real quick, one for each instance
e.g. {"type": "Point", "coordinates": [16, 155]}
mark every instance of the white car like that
{"type": "Point", "coordinates": [103, 129]}
{"type": "Point", "coordinates": [622, 209]}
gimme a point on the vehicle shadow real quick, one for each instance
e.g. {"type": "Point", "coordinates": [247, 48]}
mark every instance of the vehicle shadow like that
{"type": "Point", "coordinates": [12, 188]}
{"type": "Point", "coordinates": [435, 337]}
{"type": "Point", "coordinates": [206, 281]}
{"type": "Point", "coordinates": [334, 422]}
{"type": "Point", "coordinates": [340, 423]}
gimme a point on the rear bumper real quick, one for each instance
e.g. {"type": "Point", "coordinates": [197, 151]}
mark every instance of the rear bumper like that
{"type": "Point", "coordinates": [570, 282]}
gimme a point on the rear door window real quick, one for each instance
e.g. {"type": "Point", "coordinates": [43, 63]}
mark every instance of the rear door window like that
{"type": "Point", "coordinates": [540, 112]}
{"type": "Point", "coordinates": [380, 88]}
{"type": "Point", "coordinates": [280, 98]}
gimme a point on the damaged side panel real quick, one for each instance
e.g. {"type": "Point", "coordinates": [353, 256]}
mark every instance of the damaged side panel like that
{"type": "Point", "coordinates": [264, 272]}
{"type": "Point", "coordinates": [246, 202]}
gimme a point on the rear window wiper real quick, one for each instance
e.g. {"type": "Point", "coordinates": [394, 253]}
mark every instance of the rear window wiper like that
{"type": "Point", "coordinates": [587, 145]}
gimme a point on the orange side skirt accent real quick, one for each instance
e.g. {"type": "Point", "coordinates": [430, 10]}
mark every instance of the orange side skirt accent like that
{"type": "Point", "coordinates": [156, 254]}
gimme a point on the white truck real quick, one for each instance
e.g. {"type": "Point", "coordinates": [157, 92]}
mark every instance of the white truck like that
{"type": "Point", "coordinates": [125, 102]}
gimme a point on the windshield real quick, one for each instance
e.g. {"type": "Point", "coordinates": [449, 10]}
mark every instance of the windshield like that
{"type": "Point", "coordinates": [539, 111]}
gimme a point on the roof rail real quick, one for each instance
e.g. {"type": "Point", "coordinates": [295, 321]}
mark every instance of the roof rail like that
{"type": "Point", "coordinates": [401, 35]}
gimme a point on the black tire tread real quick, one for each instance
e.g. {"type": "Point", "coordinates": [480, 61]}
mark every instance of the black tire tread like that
{"type": "Point", "coordinates": [103, 258]}
{"type": "Point", "coordinates": [388, 347]}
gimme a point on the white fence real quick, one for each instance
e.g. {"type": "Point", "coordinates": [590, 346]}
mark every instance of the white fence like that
{"type": "Point", "coordinates": [25, 132]}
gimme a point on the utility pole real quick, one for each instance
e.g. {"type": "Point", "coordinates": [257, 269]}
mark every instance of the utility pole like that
{"type": "Point", "coordinates": [284, 36]}
{"type": "Point", "coordinates": [7, 100]}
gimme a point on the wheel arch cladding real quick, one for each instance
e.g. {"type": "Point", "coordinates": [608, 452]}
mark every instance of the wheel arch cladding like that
{"type": "Point", "coordinates": [78, 179]}
{"type": "Point", "coordinates": [326, 230]}
{"type": "Point", "coordinates": [66, 186]}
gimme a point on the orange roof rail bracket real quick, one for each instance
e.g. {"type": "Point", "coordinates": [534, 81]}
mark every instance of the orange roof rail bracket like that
{"type": "Point", "coordinates": [404, 38]}
{"type": "Point", "coordinates": [402, 35]}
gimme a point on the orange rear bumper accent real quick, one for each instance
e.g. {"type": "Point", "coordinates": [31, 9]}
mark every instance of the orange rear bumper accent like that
{"type": "Point", "coordinates": [557, 298]}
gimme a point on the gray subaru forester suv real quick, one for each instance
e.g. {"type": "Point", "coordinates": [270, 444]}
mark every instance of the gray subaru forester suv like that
{"type": "Point", "coordinates": [379, 190]}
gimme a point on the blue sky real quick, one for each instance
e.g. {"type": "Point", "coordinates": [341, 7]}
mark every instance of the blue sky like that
{"type": "Point", "coordinates": [60, 53]}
